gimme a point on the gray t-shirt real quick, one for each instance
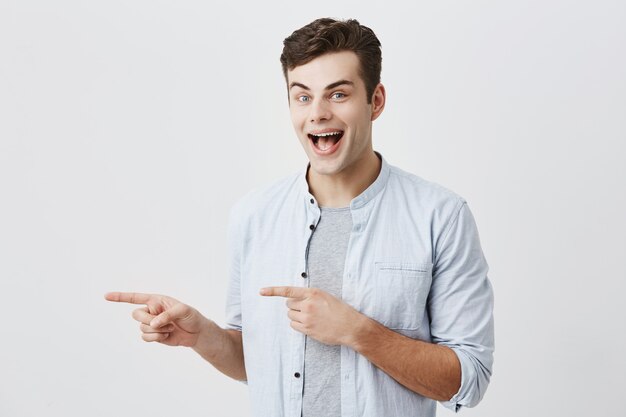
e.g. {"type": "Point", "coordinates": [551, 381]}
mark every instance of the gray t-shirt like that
{"type": "Point", "coordinates": [322, 363]}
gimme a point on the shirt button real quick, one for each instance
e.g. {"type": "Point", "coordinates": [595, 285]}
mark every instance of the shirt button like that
{"type": "Point", "coordinates": [312, 227]}
{"type": "Point", "coordinates": [303, 275]}
{"type": "Point", "coordinates": [312, 201]}
{"type": "Point", "coordinates": [297, 374]}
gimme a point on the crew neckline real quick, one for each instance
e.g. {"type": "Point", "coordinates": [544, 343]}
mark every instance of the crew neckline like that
{"type": "Point", "coordinates": [323, 208]}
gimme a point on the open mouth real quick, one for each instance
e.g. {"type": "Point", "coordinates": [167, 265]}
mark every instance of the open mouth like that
{"type": "Point", "coordinates": [324, 141]}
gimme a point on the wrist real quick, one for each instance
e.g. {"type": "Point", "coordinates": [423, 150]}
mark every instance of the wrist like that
{"type": "Point", "coordinates": [361, 328]}
{"type": "Point", "coordinates": [207, 343]}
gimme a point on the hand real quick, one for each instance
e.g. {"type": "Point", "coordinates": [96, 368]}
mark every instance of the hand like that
{"type": "Point", "coordinates": [164, 319]}
{"type": "Point", "coordinates": [318, 314]}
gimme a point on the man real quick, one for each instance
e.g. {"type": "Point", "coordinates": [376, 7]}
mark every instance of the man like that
{"type": "Point", "coordinates": [388, 304]}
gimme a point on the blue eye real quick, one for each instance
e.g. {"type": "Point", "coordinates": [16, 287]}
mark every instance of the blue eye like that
{"type": "Point", "coordinates": [303, 99]}
{"type": "Point", "coordinates": [338, 95]}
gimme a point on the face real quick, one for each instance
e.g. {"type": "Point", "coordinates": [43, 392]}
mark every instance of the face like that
{"type": "Point", "coordinates": [330, 112]}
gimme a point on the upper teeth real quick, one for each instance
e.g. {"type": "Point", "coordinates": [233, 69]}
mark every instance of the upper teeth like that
{"type": "Point", "coordinates": [328, 134]}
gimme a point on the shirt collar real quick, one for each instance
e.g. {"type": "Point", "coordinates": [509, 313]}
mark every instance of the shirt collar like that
{"type": "Point", "coordinates": [362, 199]}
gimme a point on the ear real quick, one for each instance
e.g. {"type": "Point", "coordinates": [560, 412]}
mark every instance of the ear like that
{"type": "Point", "coordinates": [378, 101]}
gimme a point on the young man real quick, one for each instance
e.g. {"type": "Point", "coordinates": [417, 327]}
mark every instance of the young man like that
{"type": "Point", "coordinates": [357, 289]}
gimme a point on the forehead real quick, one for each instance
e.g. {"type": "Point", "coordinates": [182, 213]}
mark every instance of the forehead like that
{"type": "Point", "coordinates": [326, 69]}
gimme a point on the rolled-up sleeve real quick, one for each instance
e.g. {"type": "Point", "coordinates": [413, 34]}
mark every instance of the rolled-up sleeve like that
{"type": "Point", "coordinates": [233, 296]}
{"type": "Point", "coordinates": [460, 306]}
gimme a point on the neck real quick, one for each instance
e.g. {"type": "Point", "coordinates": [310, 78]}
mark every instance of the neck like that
{"type": "Point", "coordinates": [338, 190]}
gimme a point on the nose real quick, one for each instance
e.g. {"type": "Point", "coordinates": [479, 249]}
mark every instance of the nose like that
{"type": "Point", "coordinates": [319, 111]}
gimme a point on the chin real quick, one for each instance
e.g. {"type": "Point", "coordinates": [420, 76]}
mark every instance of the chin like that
{"type": "Point", "coordinates": [325, 168]}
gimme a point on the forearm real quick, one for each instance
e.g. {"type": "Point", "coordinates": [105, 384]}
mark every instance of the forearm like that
{"type": "Point", "coordinates": [431, 370]}
{"type": "Point", "coordinates": [223, 349]}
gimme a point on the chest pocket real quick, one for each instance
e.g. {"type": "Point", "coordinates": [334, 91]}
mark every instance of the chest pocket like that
{"type": "Point", "coordinates": [401, 293]}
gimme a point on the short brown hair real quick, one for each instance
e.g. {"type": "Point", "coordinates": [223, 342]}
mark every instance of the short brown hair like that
{"type": "Point", "coordinates": [329, 35]}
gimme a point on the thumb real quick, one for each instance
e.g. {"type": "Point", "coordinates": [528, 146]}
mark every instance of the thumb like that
{"type": "Point", "coordinates": [177, 312]}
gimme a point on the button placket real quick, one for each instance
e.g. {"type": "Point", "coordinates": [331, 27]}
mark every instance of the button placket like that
{"type": "Point", "coordinates": [297, 381]}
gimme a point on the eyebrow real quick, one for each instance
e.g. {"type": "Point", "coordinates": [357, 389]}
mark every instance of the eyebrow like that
{"type": "Point", "coordinates": [328, 87]}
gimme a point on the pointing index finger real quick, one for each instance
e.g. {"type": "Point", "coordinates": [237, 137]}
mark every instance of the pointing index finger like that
{"type": "Point", "coordinates": [290, 292]}
{"type": "Point", "coordinates": [128, 297]}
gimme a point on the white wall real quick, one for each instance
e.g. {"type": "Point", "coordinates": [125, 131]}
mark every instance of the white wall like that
{"type": "Point", "coordinates": [129, 128]}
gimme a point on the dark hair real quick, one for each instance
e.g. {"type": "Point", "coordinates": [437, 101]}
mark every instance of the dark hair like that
{"type": "Point", "coordinates": [329, 35]}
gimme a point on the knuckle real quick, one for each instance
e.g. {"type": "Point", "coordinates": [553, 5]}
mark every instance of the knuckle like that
{"type": "Point", "coordinates": [136, 314]}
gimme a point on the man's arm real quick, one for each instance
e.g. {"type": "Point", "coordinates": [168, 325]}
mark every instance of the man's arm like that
{"type": "Point", "coordinates": [425, 368]}
{"type": "Point", "coordinates": [222, 348]}
{"type": "Point", "coordinates": [431, 370]}
{"type": "Point", "coordinates": [170, 322]}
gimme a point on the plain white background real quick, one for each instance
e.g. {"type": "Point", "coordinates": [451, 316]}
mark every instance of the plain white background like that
{"type": "Point", "coordinates": [129, 128]}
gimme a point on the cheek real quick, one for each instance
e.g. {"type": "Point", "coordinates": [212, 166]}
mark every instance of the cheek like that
{"type": "Point", "coordinates": [356, 118]}
{"type": "Point", "coordinates": [297, 117]}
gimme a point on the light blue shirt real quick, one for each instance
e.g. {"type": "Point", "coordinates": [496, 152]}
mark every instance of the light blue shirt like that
{"type": "Point", "coordinates": [414, 263]}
